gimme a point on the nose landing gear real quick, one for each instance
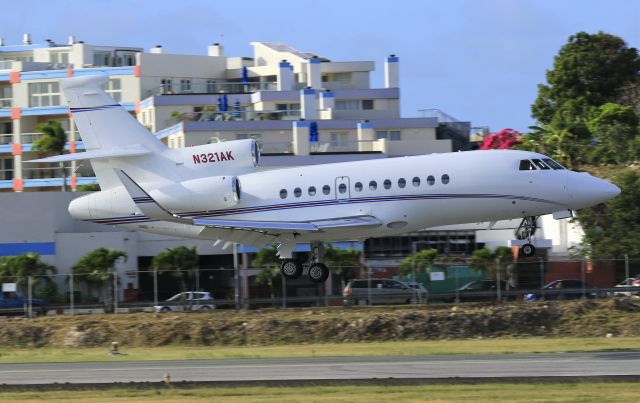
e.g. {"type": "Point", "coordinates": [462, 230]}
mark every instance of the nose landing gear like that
{"type": "Point", "coordinates": [526, 230]}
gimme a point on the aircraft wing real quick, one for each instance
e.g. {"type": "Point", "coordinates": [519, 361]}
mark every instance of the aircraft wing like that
{"type": "Point", "coordinates": [281, 227]}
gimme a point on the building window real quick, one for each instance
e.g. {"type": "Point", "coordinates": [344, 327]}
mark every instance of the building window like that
{"type": "Point", "coordinates": [445, 179]}
{"type": "Point", "coordinates": [102, 59]}
{"type": "Point", "coordinates": [283, 193]}
{"type": "Point", "coordinates": [249, 136]}
{"type": "Point", "coordinates": [326, 189]}
{"type": "Point", "coordinates": [6, 168]}
{"type": "Point", "coordinates": [347, 105]}
{"type": "Point", "coordinates": [5, 97]}
{"type": "Point", "coordinates": [431, 180]}
{"type": "Point", "coordinates": [114, 89]}
{"type": "Point", "coordinates": [342, 77]}
{"type": "Point", "coordinates": [312, 190]}
{"type": "Point", "coordinates": [211, 86]}
{"type": "Point", "coordinates": [387, 184]}
{"type": "Point", "coordinates": [367, 104]}
{"type": "Point", "coordinates": [59, 57]}
{"type": "Point", "coordinates": [416, 181]}
{"type": "Point", "coordinates": [402, 183]}
{"type": "Point", "coordinates": [185, 85]}
{"type": "Point", "coordinates": [339, 139]}
{"type": "Point", "coordinates": [128, 59]}
{"type": "Point", "coordinates": [391, 135]}
{"type": "Point", "coordinates": [44, 94]}
{"type": "Point", "coordinates": [373, 185]}
{"type": "Point", "coordinates": [166, 84]}
{"type": "Point", "coordinates": [358, 186]}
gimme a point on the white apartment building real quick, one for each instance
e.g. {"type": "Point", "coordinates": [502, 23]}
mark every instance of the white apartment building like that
{"type": "Point", "coordinates": [296, 104]}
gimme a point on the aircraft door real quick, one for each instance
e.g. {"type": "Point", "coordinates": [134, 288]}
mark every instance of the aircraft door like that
{"type": "Point", "coordinates": [343, 190]}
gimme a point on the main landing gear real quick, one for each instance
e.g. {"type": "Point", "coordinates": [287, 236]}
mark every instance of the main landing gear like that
{"type": "Point", "coordinates": [526, 230]}
{"type": "Point", "coordinates": [318, 272]}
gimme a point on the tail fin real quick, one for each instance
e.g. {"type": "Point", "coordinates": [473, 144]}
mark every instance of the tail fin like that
{"type": "Point", "coordinates": [103, 125]}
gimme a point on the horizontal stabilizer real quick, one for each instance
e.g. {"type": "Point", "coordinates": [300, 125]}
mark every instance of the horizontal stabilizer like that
{"type": "Point", "coordinates": [130, 151]}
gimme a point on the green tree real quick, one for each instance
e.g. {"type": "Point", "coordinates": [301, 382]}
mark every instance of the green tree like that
{"type": "Point", "coordinates": [344, 263]}
{"type": "Point", "coordinates": [17, 269]}
{"type": "Point", "coordinates": [615, 127]}
{"type": "Point", "coordinates": [268, 261]}
{"type": "Point", "coordinates": [181, 262]}
{"type": "Point", "coordinates": [423, 259]}
{"type": "Point", "coordinates": [613, 229]}
{"type": "Point", "coordinates": [591, 67]}
{"type": "Point", "coordinates": [491, 262]}
{"type": "Point", "coordinates": [52, 140]}
{"type": "Point", "coordinates": [96, 270]}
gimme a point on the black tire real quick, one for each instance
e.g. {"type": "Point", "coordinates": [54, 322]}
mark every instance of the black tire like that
{"type": "Point", "coordinates": [291, 269]}
{"type": "Point", "coordinates": [205, 308]}
{"type": "Point", "coordinates": [318, 272]}
{"type": "Point", "coordinates": [527, 250]}
{"type": "Point", "coordinates": [165, 309]}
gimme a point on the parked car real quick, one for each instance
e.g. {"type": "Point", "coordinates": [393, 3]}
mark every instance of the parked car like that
{"type": "Point", "coordinates": [562, 289]}
{"type": "Point", "coordinates": [12, 303]}
{"type": "Point", "coordinates": [377, 291]}
{"type": "Point", "coordinates": [634, 287]}
{"type": "Point", "coordinates": [480, 290]}
{"type": "Point", "coordinates": [421, 292]}
{"type": "Point", "coordinates": [188, 301]}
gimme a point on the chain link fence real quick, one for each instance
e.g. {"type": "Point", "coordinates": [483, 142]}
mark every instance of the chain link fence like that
{"type": "Point", "coordinates": [226, 288]}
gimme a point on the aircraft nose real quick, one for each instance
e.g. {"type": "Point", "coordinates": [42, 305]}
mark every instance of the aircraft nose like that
{"type": "Point", "coordinates": [586, 190]}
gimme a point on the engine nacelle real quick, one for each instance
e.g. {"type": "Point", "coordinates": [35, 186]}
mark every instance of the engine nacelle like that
{"type": "Point", "coordinates": [224, 157]}
{"type": "Point", "coordinates": [212, 193]}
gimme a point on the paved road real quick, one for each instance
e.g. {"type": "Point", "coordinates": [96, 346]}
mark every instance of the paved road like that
{"type": "Point", "coordinates": [286, 369]}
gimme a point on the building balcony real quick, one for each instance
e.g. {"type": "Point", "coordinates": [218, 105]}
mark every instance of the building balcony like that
{"type": "Point", "coordinates": [212, 88]}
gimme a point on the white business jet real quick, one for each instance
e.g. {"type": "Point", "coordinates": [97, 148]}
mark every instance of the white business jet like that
{"type": "Point", "coordinates": [214, 191]}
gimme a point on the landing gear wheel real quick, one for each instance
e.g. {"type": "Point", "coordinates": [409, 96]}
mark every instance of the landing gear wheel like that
{"type": "Point", "coordinates": [318, 272]}
{"type": "Point", "coordinates": [291, 269]}
{"type": "Point", "coordinates": [528, 250]}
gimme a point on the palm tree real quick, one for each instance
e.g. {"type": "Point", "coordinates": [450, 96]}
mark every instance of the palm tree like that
{"type": "Point", "coordinates": [52, 140]}
{"type": "Point", "coordinates": [96, 269]}
{"type": "Point", "coordinates": [422, 259]}
{"type": "Point", "coordinates": [269, 263]}
{"type": "Point", "coordinates": [492, 263]}
{"type": "Point", "coordinates": [181, 262]}
{"type": "Point", "coordinates": [19, 268]}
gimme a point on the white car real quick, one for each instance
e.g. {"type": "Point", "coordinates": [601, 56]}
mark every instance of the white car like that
{"type": "Point", "coordinates": [634, 287]}
{"type": "Point", "coordinates": [188, 301]}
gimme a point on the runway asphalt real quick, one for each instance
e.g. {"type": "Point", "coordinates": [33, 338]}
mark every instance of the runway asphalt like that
{"type": "Point", "coordinates": [328, 368]}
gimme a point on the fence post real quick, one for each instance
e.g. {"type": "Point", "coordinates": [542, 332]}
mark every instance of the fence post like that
{"type": "Point", "coordinates": [236, 276]}
{"type": "Point", "coordinates": [369, 285]}
{"type": "Point", "coordinates": [582, 268]}
{"type": "Point", "coordinates": [155, 287]}
{"type": "Point", "coordinates": [541, 265]}
{"type": "Point", "coordinates": [498, 291]}
{"type": "Point", "coordinates": [284, 291]}
{"type": "Point", "coordinates": [71, 294]}
{"type": "Point", "coordinates": [455, 278]}
{"type": "Point", "coordinates": [626, 272]}
{"type": "Point", "coordinates": [115, 292]}
{"type": "Point", "coordinates": [30, 297]}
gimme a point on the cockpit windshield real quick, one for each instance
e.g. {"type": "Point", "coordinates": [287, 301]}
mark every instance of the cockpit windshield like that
{"type": "Point", "coordinates": [543, 163]}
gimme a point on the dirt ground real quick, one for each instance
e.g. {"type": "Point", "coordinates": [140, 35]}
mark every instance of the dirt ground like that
{"type": "Point", "coordinates": [590, 318]}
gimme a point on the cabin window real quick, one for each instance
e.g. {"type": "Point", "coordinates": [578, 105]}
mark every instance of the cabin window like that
{"type": "Point", "coordinates": [283, 193]}
{"type": "Point", "coordinates": [540, 164]}
{"type": "Point", "coordinates": [402, 183]}
{"type": "Point", "coordinates": [431, 180]}
{"type": "Point", "coordinates": [326, 189]}
{"type": "Point", "coordinates": [416, 181]}
{"type": "Point", "coordinates": [445, 179]}
{"type": "Point", "coordinates": [297, 192]}
{"type": "Point", "coordinates": [358, 186]}
{"type": "Point", "coordinates": [387, 184]}
{"type": "Point", "coordinates": [373, 185]}
{"type": "Point", "coordinates": [552, 163]}
{"type": "Point", "coordinates": [526, 165]}
{"type": "Point", "coordinates": [312, 190]}
{"type": "Point", "coordinates": [342, 188]}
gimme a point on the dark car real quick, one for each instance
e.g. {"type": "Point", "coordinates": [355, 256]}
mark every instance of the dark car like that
{"type": "Point", "coordinates": [562, 289]}
{"type": "Point", "coordinates": [377, 291]}
{"type": "Point", "coordinates": [480, 290]}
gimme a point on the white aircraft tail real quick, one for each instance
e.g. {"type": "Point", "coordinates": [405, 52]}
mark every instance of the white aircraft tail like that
{"type": "Point", "coordinates": [112, 137]}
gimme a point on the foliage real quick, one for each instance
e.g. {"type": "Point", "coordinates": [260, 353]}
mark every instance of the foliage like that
{"type": "Point", "coordinates": [615, 127]}
{"type": "Point", "coordinates": [266, 258]}
{"type": "Point", "coordinates": [181, 262]}
{"type": "Point", "coordinates": [18, 268]}
{"type": "Point", "coordinates": [344, 263]}
{"type": "Point", "coordinates": [94, 187]}
{"type": "Point", "coordinates": [491, 262]}
{"type": "Point", "coordinates": [52, 140]}
{"type": "Point", "coordinates": [505, 139]}
{"type": "Point", "coordinates": [613, 229]}
{"type": "Point", "coordinates": [591, 67]}
{"type": "Point", "coordinates": [420, 260]}
{"type": "Point", "coordinates": [96, 269]}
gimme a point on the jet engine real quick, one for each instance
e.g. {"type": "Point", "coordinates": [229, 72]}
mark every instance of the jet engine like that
{"type": "Point", "coordinates": [212, 193]}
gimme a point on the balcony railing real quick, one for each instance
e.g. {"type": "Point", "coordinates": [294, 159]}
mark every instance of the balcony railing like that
{"type": "Point", "coordinates": [5, 103]}
{"type": "Point", "coordinates": [275, 147]}
{"type": "Point", "coordinates": [241, 115]}
{"type": "Point", "coordinates": [178, 88]}
{"type": "Point", "coordinates": [6, 138]}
